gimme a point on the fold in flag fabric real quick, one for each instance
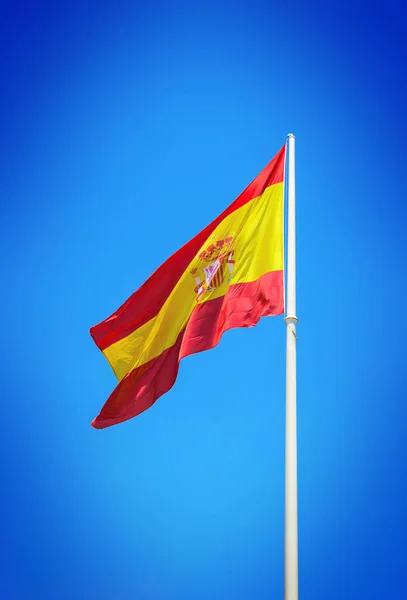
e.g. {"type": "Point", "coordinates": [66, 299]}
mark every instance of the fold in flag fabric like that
{"type": "Point", "coordinates": [229, 275]}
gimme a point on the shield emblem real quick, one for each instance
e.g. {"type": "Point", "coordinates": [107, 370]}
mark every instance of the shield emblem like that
{"type": "Point", "coordinates": [214, 274]}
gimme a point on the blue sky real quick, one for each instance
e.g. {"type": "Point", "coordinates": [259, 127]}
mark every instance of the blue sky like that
{"type": "Point", "coordinates": [127, 127]}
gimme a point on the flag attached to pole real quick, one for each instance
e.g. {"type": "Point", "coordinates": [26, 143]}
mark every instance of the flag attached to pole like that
{"type": "Point", "coordinates": [229, 275]}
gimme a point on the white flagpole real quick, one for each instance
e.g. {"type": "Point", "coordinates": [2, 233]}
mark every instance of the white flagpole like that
{"type": "Point", "coordinates": [291, 514]}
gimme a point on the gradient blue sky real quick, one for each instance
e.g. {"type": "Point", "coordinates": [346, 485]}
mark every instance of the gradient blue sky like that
{"type": "Point", "coordinates": [125, 128]}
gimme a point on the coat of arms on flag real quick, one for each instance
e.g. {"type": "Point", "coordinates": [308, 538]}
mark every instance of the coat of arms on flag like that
{"type": "Point", "coordinates": [215, 263]}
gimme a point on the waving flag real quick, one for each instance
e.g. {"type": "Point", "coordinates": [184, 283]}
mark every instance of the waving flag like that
{"type": "Point", "coordinates": [229, 275]}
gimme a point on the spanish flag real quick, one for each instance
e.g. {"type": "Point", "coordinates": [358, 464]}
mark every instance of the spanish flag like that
{"type": "Point", "coordinates": [229, 275]}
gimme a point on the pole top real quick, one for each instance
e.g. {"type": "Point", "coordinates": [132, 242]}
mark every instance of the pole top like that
{"type": "Point", "coordinates": [291, 135]}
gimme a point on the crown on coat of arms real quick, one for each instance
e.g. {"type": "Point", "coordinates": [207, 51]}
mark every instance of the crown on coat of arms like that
{"type": "Point", "coordinates": [213, 251]}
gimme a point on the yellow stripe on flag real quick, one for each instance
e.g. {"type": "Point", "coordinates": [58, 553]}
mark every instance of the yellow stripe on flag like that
{"type": "Point", "coordinates": [257, 232]}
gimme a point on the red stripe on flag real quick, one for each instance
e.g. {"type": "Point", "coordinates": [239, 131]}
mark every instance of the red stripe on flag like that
{"type": "Point", "coordinates": [242, 306]}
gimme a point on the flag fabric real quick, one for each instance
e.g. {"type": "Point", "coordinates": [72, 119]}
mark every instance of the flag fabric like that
{"type": "Point", "coordinates": [229, 275]}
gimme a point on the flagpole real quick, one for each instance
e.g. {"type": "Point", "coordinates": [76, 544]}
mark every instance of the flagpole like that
{"type": "Point", "coordinates": [291, 514]}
